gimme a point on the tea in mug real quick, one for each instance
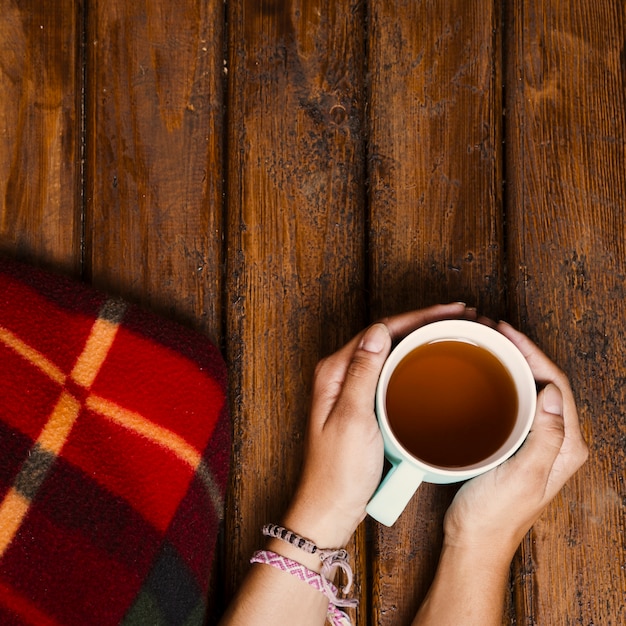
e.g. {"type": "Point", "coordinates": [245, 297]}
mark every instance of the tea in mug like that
{"type": "Point", "coordinates": [451, 404]}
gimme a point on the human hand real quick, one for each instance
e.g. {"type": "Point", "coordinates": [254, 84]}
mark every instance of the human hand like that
{"type": "Point", "coordinates": [494, 511]}
{"type": "Point", "coordinates": [344, 451]}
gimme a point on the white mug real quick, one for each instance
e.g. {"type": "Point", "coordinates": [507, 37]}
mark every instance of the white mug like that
{"type": "Point", "coordinates": [408, 472]}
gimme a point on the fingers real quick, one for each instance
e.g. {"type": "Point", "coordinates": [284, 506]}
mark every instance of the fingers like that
{"type": "Point", "coordinates": [359, 386]}
{"type": "Point", "coordinates": [331, 371]}
{"type": "Point", "coordinates": [327, 383]}
{"type": "Point", "coordinates": [543, 459]}
{"type": "Point", "coordinates": [351, 374]}
{"type": "Point", "coordinates": [556, 426]}
{"type": "Point", "coordinates": [543, 369]}
{"type": "Point", "coordinates": [401, 325]}
{"type": "Point", "coordinates": [551, 400]}
{"type": "Point", "coordinates": [543, 445]}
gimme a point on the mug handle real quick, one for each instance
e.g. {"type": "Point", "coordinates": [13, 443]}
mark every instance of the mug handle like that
{"type": "Point", "coordinates": [394, 493]}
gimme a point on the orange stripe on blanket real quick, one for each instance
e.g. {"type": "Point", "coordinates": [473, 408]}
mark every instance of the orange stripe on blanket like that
{"type": "Point", "coordinates": [142, 426]}
{"type": "Point", "coordinates": [13, 510]}
{"type": "Point", "coordinates": [95, 352]}
{"type": "Point", "coordinates": [85, 370]}
{"type": "Point", "coordinates": [54, 434]}
{"type": "Point", "coordinates": [57, 429]}
{"type": "Point", "coordinates": [14, 507]}
{"type": "Point", "coordinates": [31, 355]}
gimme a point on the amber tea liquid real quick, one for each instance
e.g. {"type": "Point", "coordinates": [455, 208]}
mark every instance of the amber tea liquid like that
{"type": "Point", "coordinates": [451, 403]}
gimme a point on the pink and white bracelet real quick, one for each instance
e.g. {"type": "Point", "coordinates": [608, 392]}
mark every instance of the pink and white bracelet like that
{"type": "Point", "coordinates": [336, 616]}
{"type": "Point", "coordinates": [332, 559]}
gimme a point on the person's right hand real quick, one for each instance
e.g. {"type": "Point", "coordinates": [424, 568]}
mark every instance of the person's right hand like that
{"type": "Point", "coordinates": [343, 457]}
{"type": "Point", "coordinates": [494, 511]}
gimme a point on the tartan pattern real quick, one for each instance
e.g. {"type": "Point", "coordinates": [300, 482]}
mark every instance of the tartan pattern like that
{"type": "Point", "coordinates": [114, 455]}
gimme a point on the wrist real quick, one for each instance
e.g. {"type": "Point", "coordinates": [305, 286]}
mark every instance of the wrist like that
{"type": "Point", "coordinates": [491, 553]}
{"type": "Point", "coordinates": [310, 561]}
{"type": "Point", "coordinates": [325, 529]}
{"type": "Point", "coordinates": [311, 547]}
{"type": "Point", "coordinates": [468, 588]}
{"type": "Point", "coordinates": [497, 541]}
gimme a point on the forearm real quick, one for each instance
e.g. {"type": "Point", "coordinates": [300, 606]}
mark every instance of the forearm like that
{"type": "Point", "coordinates": [269, 596]}
{"type": "Point", "coordinates": [468, 589]}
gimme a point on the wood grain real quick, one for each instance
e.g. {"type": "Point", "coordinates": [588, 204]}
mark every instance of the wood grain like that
{"type": "Point", "coordinates": [40, 199]}
{"type": "Point", "coordinates": [295, 236]}
{"type": "Point", "coordinates": [361, 148]}
{"type": "Point", "coordinates": [566, 133]}
{"type": "Point", "coordinates": [154, 162]}
{"type": "Point", "coordinates": [436, 231]}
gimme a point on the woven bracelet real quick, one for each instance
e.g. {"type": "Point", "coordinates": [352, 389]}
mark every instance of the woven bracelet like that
{"type": "Point", "coordinates": [336, 616]}
{"type": "Point", "coordinates": [331, 558]}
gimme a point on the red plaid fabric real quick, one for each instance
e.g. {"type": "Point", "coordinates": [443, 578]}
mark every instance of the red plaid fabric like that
{"type": "Point", "coordinates": [114, 457]}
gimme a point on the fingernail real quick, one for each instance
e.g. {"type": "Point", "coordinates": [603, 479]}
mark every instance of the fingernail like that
{"type": "Point", "coordinates": [552, 400]}
{"type": "Point", "coordinates": [375, 338]}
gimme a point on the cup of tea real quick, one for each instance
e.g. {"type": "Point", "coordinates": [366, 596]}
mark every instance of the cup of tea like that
{"type": "Point", "coordinates": [455, 399]}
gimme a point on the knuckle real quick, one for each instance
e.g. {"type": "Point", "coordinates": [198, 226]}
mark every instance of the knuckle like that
{"type": "Point", "coordinates": [562, 380]}
{"type": "Point", "coordinates": [384, 320]}
{"type": "Point", "coordinates": [319, 368]}
{"type": "Point", "coordinates": [360, 367]}
{"type": "Point", "coordinates": [325, 377]}
{"type": "Point", "coordinates": [555, 436]}
{"type": "Point", "coordinates": [326, 369]}
{"type": "Point", "coordinates": [581, 453]}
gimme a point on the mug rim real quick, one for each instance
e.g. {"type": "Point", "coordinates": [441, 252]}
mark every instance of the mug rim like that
{"type": "Point", "coordinates": [477, 334]}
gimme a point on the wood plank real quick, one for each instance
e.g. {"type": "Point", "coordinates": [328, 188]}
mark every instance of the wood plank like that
{"type": "Point", "coordinates": [154, 160]}
{"type": "Point", "coordinates": [436, 227]}
{"type": "Point", "coordinates": [295, 238]}
{"type": "Point", "coordinates": [565, 163]}
{"type": "Point", "coordinates": [40, 200]}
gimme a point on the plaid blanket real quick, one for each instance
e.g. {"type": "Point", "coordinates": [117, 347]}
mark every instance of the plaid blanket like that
{"type": "Point", "coordinates": [114, 456]}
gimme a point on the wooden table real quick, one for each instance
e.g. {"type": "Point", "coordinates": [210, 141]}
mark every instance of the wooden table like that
{"type": "Point", "coordinates": [277, 174]}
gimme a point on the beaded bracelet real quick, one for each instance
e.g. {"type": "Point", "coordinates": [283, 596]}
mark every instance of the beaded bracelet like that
{"type": "Point", "coordinates": [331, 558]}
{"type": "Point", "coordinates": [335, 615]}
{"type": "Point", "coordinates": [278, 532]}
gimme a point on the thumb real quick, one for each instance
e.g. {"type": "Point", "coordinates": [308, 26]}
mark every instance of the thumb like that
{"type": "Point", "coordinates": [549, 425]}
{"type": "Point", "coordinates": [551, 400]}
{"type": "Point", "coordinates": [375, 339]}
{"type": "Point", "coordinates": [362, 375]}
{"type": "Point", "coordinates": [546, 436]}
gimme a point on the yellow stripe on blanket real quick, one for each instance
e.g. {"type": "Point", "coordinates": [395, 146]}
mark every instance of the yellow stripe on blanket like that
{"type": "Point", "coordinates": [57, 429]}
{"type": "Point", "coordinates": [13, 510]}
{"type": "Point", "coordinates": [31, 355]}
{"type": "Point", "coordinates": [94, 353]}
{"type": "Point", "coordinates": [142, 426]}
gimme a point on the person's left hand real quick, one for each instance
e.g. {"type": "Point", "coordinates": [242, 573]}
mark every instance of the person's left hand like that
{"type": "Point", "coordinates": [492, 512]}
{"type": "Point", "coordinates": [344, 450]}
